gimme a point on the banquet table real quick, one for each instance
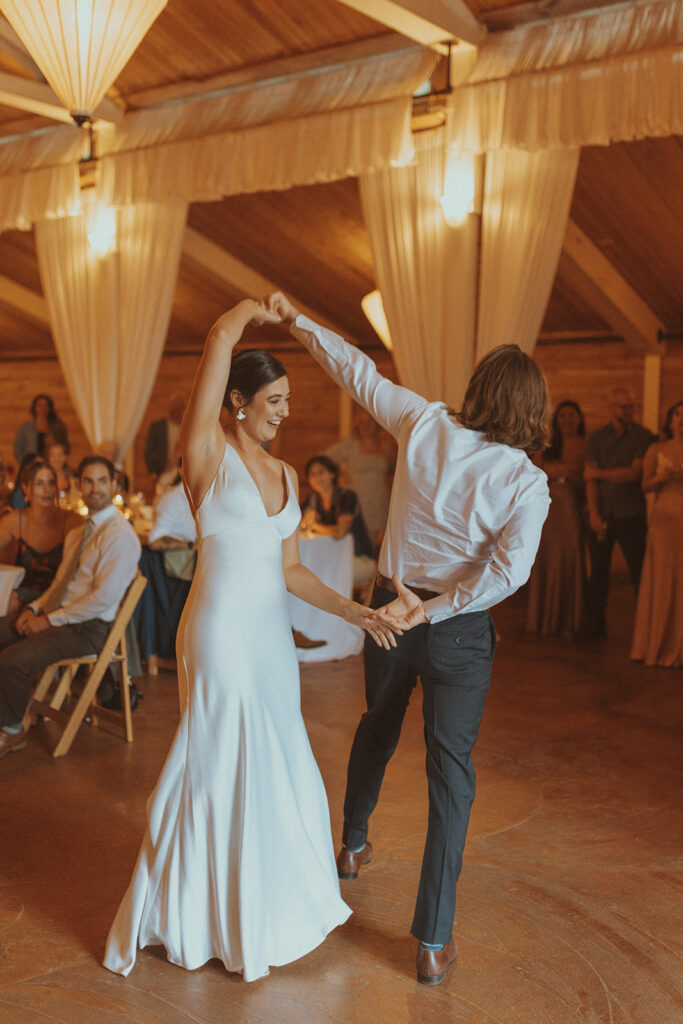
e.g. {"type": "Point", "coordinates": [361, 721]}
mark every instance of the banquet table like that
{"type": "Point", "coordinates": [332, 561]}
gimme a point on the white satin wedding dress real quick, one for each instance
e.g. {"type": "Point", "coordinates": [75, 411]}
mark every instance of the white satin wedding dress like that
{"type": "Point", "coordinates": [237, 862]}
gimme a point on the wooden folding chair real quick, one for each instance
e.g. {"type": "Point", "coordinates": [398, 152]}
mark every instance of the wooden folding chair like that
{"type": "Point", "coordinates": [113, 651]}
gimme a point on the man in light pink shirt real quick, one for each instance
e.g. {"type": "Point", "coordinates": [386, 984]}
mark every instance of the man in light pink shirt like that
{"type": "Point", "coordinates": [465, 517]}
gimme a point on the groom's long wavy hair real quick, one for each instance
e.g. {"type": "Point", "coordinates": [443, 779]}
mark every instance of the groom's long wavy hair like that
{"type": "Point", "coordinates": [507, 400]}
{"type": "Point", "coordinates": [250, 370]}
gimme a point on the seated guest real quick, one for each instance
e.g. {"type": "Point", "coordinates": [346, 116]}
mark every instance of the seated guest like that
{"type": "Point", "coordinates": [4, 489]}
{"type": "Point", "coordinates": [34, 536]}
{"type": "Point", "coordinates": [44, 426]}
{"type": "Point", "coordinates": [74, 615]}
{"type": "Point", "coordinates": [332, 511]}
{"type": "Point", "coordinates": [174, 525]}
{"type": "Point", "coordinates": [109, 450]}
{"type": "Point", "coordinates": [56, 455]}
{"type": "Point", "coordinates": [18, 498]}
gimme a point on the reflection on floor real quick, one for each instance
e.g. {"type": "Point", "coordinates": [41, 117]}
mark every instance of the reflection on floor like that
{"type": "Point", "coordinates": [570, 896]}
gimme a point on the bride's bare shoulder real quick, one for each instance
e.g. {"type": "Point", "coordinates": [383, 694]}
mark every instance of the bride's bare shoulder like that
{"type": "Point", "coordinates": [292, 473]}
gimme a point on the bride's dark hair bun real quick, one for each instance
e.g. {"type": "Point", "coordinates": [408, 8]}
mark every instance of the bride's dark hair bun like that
{"type": "Point", "coordinates": [249, 371]}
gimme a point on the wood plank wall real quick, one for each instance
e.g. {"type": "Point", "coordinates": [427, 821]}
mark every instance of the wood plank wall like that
{"type": "Point", "coordinates": [583, 371]}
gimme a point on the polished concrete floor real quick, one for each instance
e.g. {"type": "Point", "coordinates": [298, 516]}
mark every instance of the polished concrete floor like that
{"type": "Point", "coordinates": [569, 906]}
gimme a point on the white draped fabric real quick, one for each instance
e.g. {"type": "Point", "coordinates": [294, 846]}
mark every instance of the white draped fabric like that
{"type": "Point", "coordinates": [322, 147]}
{"type": "Point", "coordinates": [524, 218]}
{"type": "Point", "coordinates": [110, 314]}
{"type": "Point", "coordinates": [634, 97]}
{"type": "Point", "coordinates": [587, 38]}
{"type": "Point", "coordinates": [426, 272]}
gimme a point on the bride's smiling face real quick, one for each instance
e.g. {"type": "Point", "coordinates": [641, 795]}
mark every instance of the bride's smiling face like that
{"type": "Point", "coordinates": [267, 409]}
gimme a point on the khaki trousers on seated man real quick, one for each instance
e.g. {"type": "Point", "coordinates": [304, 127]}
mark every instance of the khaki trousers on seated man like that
{"type": "Point", "coordinates": [74, 615]}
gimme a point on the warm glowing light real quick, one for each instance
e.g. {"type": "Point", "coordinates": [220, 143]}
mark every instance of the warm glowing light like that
{"type": "Point", "coordinates": [373, 307]}
{"type": "Point", "coordinates": [81, 45]}
{"type": "Point", "coordinates": [102, 237]}
{"type": "Point", "coordinates": [118, 500]}
{"type": "Point", "coordinates": [83, 511]}
{"type": "Point", "coordinates": [457, 201]}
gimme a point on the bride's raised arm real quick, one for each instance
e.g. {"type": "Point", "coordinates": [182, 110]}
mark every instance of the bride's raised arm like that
{"type": "Point", "coordinates": [202, 441]}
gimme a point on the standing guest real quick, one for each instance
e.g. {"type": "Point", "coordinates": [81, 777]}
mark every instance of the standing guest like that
{"type": "Point", "coordinates": [57, 457]}
{"type": "Point", "coordinates": [237, 861]}
{"type": "Point", "coordinates": [366, 462]}
{"type": "Point", "coordinates": [658, 631]}
{"type": "Point", "coordinates": [73, 616]}
{"type": "Point", "coordinates": [44, 427]}
{"type": "Point", "coordinates": [161, 445]}
{"type": "Point", "coordinates": [465, 519]}
{"type": "Point", "coordinates": [616, 506]}
{"type": "Point", "coordinates": [558, 578]}
{"type": "Point", "coordinates": [36, 533]}
{"type": "Point", "coordinates": [333, 511]}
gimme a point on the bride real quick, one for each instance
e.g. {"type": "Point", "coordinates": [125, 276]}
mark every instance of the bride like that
{"type": "Point", "coordinates": [237, 862]}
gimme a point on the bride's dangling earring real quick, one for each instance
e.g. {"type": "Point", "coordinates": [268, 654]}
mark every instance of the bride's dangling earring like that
{"type": "Point", "coordinates": [241, 415]}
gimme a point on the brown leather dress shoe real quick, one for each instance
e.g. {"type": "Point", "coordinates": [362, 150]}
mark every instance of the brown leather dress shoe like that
{"type": "Point", "coordinates": [305, 642]}
{"type": "Point", "coordinates": [432, 963]}
{"type": "Point", "coordinates": [10, 742]}
{"type": "Point", "coordinates": [348, 863]}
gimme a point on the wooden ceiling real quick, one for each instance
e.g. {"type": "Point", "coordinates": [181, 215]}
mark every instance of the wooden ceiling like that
{"type": "Point", "coordinates": [312, 241]}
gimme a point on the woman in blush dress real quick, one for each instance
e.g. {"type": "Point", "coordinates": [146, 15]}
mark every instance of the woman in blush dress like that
{"type": "Point", "coordinates": [558, 578]}
{"type": "Point", "coordinates": [237, 862]}
{"type": "Point", "coordinates": [658, 631]}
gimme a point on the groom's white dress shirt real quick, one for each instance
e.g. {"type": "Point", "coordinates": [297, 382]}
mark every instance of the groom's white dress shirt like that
{"type": "Point", "coordinates": [466, 514]}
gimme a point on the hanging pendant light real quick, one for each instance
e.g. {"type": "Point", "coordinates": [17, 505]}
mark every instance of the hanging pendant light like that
{"type": "Point", "coordinates": [81, 45]}
{"type": "Point", "coordinates": [373, 307]}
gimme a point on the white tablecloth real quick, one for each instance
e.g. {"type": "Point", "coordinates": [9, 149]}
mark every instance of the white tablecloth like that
{"type": "Point", "coordinates": [332, 562]}
{"type": "Point", "coordinates": [10, 578]}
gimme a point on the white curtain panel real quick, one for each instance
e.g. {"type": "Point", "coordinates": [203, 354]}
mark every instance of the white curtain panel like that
{"type": "Point", "coordinates": [585, 39]}
{"type": "Point", "coordinates": [634, 97]}
{"type": "Point", "coordinates": [323, 147]}
{"type": "Point", "coordinates": [110, 314]}
{"type": "Point", "coordinates": [526, 204]}
{"type": "Point", "coordinates": [426, 272]}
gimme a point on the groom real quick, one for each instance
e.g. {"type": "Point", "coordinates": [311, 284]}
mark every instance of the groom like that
{"type": "Point", "coordinates": [465, 519]}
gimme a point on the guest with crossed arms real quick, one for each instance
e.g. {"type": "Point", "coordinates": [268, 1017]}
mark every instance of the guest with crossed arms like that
{"type": "Point", "coordinates": [73, 616]}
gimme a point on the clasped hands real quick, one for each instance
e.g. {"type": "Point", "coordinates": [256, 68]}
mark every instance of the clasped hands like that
{"type": "Point", "coordinates": [273, 309]}
{"type": "Point", "coordinates": [28, 623]}
{"type": "Point", "coordinates": [391, 620]}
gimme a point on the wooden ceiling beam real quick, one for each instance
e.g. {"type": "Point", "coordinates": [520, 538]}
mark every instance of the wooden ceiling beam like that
{"type": "Point", "coordinates": [25, 301]}
{"type": "Point", "coordinates": [38, 98]}
{"type": "Point", "coordinates": [608, 293]}
{"type": "Point", "coordinates": [217, 261]}
{"type": "Point", "coordinates": [429, 22]}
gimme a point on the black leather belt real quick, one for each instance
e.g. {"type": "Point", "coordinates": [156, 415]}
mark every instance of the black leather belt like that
{"type": "Point", "coordinates": [386, 584]}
